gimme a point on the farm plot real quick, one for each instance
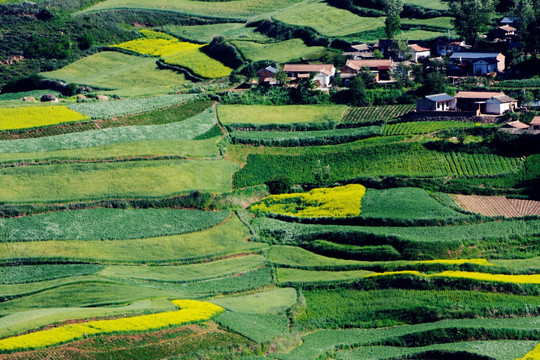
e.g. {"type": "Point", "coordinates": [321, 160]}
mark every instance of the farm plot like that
{"type": "Point", "coordinates": [425, 127]}
{"type": "Point", "coordinates": [115, 70]}
{"type": "Point", "coordinates": [182, 130]}
{"type": "Point", "coordinates": [498, 205]}
{"type": "Point", "coordinates": [32, 117]}
{"type": "Point", "coordinates": [420, 34]}
{"type": "Point", "coordinates": [496, 349]}
{"type": "Point", "coordinates": [442, 22]}
{"type": "Point", "coordinates": [107, 224]}
{"type": "Point", "coordinates": [204, 339]}
{"type": "Point", "coordinates": [183, 149]}
{"type": "Point", "coordinates": [246, 116]}
{"type": "Point", "coordinates": [430, 4]}
{"type": "Point", "coordinates": [282, 52]}
{"type": "Point", "coordinates": [369, 114]}
{"type": "Point", "coordinates": [172, 51]}
{"type": "Point", "coordinates": [103, 110]}
{"type": "Point", "coordinates": [328, 20]}
{"type": "Point", "coordinates": [304, 138]}
{"type": "Point", "coordinates": [158, 178]}
{"type": "Point", "coordinates": [222, 240]}
{"type": "Point", "coordinates": [238, 10]}
{"type": "Point", "coordinates": [368, 158]}
{"type": "Point", "coordinates": [206, 33]}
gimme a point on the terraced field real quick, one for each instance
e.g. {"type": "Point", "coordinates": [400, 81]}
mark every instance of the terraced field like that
{"type": "Point", "coordinates": [161, 224]}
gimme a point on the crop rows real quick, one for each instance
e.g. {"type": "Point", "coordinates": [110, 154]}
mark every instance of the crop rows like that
{"type": "Point", "coordinates": [498, 205]}
{"type": "Point", "coordinates": [376, 113]}
{"type": "Point", "coordinates": [303, 138]}
{"type": "Point", "coordinates": [465, 164]}
{"type": "Point", "coordinates": [424, 127]}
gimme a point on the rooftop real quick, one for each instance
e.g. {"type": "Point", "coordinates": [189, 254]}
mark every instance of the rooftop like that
{"type": "Point", "coordinates": [358, 64]}
{"type": "Point", "coordinates": [536, 120]}
{"type": "Point", "coordinates": [418, 48]}
{"type": "Point", "coordinates": [517, 125]}
{"type": "Point", "coordinates": [324, 68]}
{"type": "Point", "coordinates": [440, 97]}
{"type": "Point", "coordinates": [474, 55]}
{"type": "Point", "coordinates": [477, 94]}
{"type": "Point", "coordinates": [504, 98]}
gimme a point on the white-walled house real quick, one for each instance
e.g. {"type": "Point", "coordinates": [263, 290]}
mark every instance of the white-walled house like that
{"type": "Point", "coordinates": [324, 72]}
{"type": "Point", "coordinates": [500, 104]}
{"type": "Point", "coordinates": [437, 102]}
{"type": "Point", "coordinates": [419, 52]}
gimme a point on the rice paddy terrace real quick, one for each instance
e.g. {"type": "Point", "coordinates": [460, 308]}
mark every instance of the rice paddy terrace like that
{"type": "Point", "coordinates": [165, 222]}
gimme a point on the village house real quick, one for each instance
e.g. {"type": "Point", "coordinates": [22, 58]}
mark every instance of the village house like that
{"type": "Point", "coordinates": [509, 20]}
{"type": "Point", "coordinates": [419, 52]}
{"type": "Point", "coordinates": [514, 126]}
{"type": "Point", "coordinates": [445, 47]}
{"type": "Point", "coordinates": [505, 32]}
{"type": "Point", "coordinates": [360, 51]}
{"type": "Point", "coordinates": [379, 67]}
{"type": "Point", "coordinates": [324, 73]}
{"type": "Point", "coordinates": [500, 104]}
{"type": "Point", "coordinates": [535, 123]}
{"type": "Point", "coordinates": [267, 76]}
{"type": "Point", "coordinates": [437, 102]}
{"type": "Point", "coordinates": [478, 63]}
{"type": "Point", "coordinates": [475, 100]}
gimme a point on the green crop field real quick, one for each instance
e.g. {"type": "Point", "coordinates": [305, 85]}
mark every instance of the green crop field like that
{"type": "Point", "coordinates": [426, 127]}
{"type": "Point", "coordinates": [284, 51]}
{"type": "Point", "coordinates": [328, 20]}
{"type": "Point", "coordinates": [114, 70]}
{"type": "Point", "coordinates": [241, 115]}
{"type": "Point", "coordinates": [443, 21]}
{"type": "Point", "coordinates": [420, 34]}
{"type": "Point", "coordinates": [205, 33]}
{"type": "Point", "coordinates": [52, 183]}
{"type": "Point", "coordinates": [430, 4]}
{"type": "Point", "coordinates": [158, 134]}
{"type": "Point", "coordinates": [376, 113]}
{"type": "Point", "coordinates": [241, 10]}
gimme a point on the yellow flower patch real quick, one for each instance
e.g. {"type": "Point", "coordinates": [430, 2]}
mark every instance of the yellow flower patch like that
{"type": "Point", "coordinates": [30, 117]}
{"type": "Point", "coordinates": [337, 202]}
{"type": "Point", "coordinates": [176, 52]}
{"type": "Point", "coordinates": [516, 279]}
{"type": "Point", "coordinates": [534, 354]}
{"type": "Point", "coordinates": [190, 310]}
{"type": "Point", "coordinates": [456, 262]}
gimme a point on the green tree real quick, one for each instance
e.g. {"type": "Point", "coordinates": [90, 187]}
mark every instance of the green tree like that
{"type": "Point", "coordinates": [471, 18]}
{"type": "Point", "coordinates": [393, 9]}
{"type": "Point", "coordinates": [322, 174]}
{"type": "Point", "coordinates": [357, 92]}
{"type": "Point", "coordinates": [529, 24]}
{"type": "Point", "coordinates": [434, 83]}
{"type": "Point", "coordinates": [402, 74]}
{"type": "Point", "coordinates": [281, 76]}
{"type": "Point", "coordinates": [377, 54]}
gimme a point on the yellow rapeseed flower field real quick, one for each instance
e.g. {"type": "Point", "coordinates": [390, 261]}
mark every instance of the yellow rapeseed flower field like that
{"type": "Point", "coordinates": [516, 279]}
{"type": "Point", "coordinates": [456, 262]}
{"type": "Point", "coordinates": [30, 117]}
{"type": "Point", "coordinates": [176, 52]}
{"type": "Point", "coordinates": [337, 202]}
{"type": "Point", "coordinates": [534, 354]}
{"type": "Point", "coordinates": [190, 310]}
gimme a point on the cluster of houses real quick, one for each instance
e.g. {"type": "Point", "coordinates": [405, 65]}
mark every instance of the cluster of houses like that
{"type": "Point", "coordinates": [463, 60]}
{"type": "Point", "coordinates": [477, 102]}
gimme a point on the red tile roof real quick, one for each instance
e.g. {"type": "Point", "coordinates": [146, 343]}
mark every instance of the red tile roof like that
{"type": "Point", "coordinates": [418, 48]}
{"type": "Point", "coordinates": [299, 68]}
{"type": "Point", "coordinates": [379, 63]}
{"type": "Point", "coordinates": [517, 125]}
{"type": "Point", "coordinates": [477, 94]}
{"type": "Point", "coordinates": [536, 120]}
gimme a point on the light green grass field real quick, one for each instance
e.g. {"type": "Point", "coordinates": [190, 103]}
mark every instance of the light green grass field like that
{"type": "Point", "coordinates": [420, 35]}
{"type": "Point", "coordinates": [263, 114]}
{"type": "Point", "coordinates": [297, 256]}
{"type": "Point", "coordinates": [186, 273]}
{"type": "Point", "coordinates": [328, 20]}
{"type": "Point", "coordinates": [497, 349]}
{"type": "Point", "coordinates": [205, 33]}
{"type": "Point", "coordinates": [226, 239]}
{"type": "Point", "coordinates": [25, 320]}
{"type": "Point", "coordinates": [430, 4]}
{"type": "Point", "coordinates": [193, 149]}
{"type": "Point", "coordinates": [271, 301]}
{"type": "Point", "coordinates": [281, 52]}
{"type": "Point", "coordinates": [241, 9]}
{"type": "Point", "coordinates": [51, 183]}
{"type": "Point", "coordinates": [442, 21]}
{"type": "Point", "coordinates": [181, 130]}
{"type": "Point", "coordinates": [299, 276]}
{"type": "Point", "coordinates": [115, 70]}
